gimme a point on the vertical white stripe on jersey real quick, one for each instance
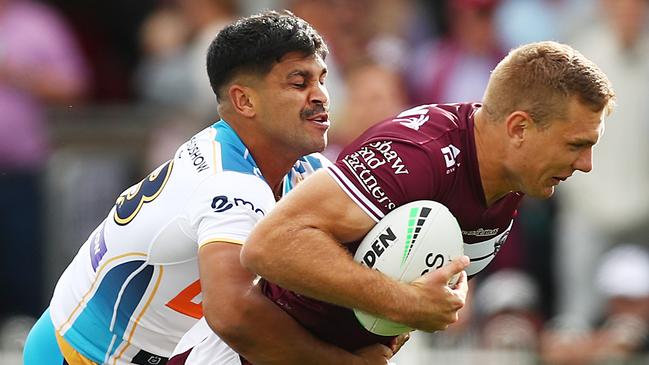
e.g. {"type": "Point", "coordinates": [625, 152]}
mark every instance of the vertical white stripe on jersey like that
{"type": "Point", "coordinates": [351, 190]}
{"type": "Point", "coordinates": [216, 147]}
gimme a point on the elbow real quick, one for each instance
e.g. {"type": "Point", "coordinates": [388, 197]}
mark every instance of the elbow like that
{"type": "Point", "coordinates": [230, 325]}
{"type": "Point", "coordinates": [253, 255]}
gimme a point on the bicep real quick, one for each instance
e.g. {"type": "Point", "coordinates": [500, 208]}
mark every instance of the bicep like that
{"type": "Point", "coordinates": [223, 279]}
{"type": "Point", "coordinates": [319, 203]}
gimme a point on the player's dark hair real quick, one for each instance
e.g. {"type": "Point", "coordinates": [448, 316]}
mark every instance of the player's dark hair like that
{"type": "Point", "coordinates": [255, 43]}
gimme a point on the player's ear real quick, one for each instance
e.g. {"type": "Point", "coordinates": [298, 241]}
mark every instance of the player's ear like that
{"type": "Point", "coordinates": [517, 125]}
{"type": "Point", "coordinates": [242, 100]}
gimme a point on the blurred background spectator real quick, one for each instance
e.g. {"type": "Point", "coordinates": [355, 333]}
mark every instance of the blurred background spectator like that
{"type": "Point", "coordinates": [374, 93]}
{"type": "Point", "coordinates": [40, 65]}
{"type": "Point", "coordinates": [611, 204]}
{"type": "Point", "coordinates": [622, 278]}
{"type": "Point", "coordinates": [139, 69]}
{"type": "Point", "coordinates": [455, 66]}
{"type": "Point", "coordinates": [173, 43]}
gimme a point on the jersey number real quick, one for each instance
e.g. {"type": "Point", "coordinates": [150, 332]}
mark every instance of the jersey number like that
{"type": "Point", "coordinates": [130, 202]}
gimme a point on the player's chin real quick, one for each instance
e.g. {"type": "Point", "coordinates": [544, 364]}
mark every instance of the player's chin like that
{"type": "Point", "coordinates": [319, 141]}
{"type": "Point", "coordinates": [317, 144]}
{"type": "Point", "coordinates": [543, 191]}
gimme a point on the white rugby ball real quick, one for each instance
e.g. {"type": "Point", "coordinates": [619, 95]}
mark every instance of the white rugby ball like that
{"type": "Point", "coordinates": [408, 242]}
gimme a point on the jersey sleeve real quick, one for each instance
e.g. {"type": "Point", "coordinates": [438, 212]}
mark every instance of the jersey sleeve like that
{"type": "Point", "coordinates": [225, 207]}
{"type": "Point", "coordinates": [381, 175]}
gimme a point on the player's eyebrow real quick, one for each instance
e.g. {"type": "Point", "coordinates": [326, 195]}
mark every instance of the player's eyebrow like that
{"type": "Point", "coordinates": [302, 73]}
{"type": "Point", "coordinates": [583, 142]}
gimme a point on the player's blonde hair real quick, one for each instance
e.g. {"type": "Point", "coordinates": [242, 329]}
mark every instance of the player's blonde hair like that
{"type": "Point", "coordinates": [540, 79]}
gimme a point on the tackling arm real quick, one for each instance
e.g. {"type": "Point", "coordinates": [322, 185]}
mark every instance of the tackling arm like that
{"type": "Point", "coordinates": [300, 246]}
{"type": "Point", "coordinates": [255, 327]}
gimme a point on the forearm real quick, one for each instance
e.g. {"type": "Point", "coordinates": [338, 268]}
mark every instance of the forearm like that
{"type": "Point", "coordinates": [265, 335]}
{"type": "Point", "coordinates": [325, 271]}
{"type": "Point", "coordinates": [250, 323]}
{"type": "Point", "coordinates": [300, 246]}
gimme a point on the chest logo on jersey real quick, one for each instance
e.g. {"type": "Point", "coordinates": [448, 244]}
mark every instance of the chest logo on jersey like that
{"type": "Point", "coordinates": [414, 118]}
{"type": "Point", "coordinates": [222, 203]}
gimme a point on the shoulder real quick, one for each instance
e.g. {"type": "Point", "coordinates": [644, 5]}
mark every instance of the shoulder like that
{"type": "Point", "coordinates": [216, 149]}
{"type": "Point", "coordinates": [423, 124]}
{"type": "Point", "coordinates": [313, 162]}
{"type": "Point", "coordinates": [423, 130]}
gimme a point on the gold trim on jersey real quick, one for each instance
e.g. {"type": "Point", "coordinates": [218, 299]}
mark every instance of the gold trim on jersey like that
{"type": "Point", "coordinates": [219, 240]}
{"type": "Point", "coordinates": [72, 356]}
{"type": "Point", "coordinates": [137, 321]}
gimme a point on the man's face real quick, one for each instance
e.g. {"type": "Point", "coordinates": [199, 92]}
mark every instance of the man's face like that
{"type": "Point", "coordinates": [294, 104]}
{"type": "Point", "coordinates": [551, 155]}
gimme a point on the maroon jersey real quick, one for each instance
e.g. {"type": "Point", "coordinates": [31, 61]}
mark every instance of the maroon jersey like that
{"type": "Point", "coordinates": [427, 152]}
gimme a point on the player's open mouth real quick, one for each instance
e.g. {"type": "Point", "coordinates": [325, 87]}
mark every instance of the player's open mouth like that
{"type": "Point", "coordinates": [558, 179]}
{"type": "Point", "coordinates": [320, 119]}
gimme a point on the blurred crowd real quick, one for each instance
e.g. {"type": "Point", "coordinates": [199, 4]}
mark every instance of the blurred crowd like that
{"type": "Point", "coordinates": [572, 283]}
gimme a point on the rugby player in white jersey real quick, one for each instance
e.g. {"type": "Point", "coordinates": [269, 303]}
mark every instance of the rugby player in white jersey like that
{"type": "Point", "coordinates": [168, 251]}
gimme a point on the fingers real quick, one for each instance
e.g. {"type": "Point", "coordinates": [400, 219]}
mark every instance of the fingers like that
{"type": "Point", "coordinates": [375, 354]}
{"type": "Point", "coordinates": [399, 341]}
{"type": "Point", "coordinates": [460, 282]}
{"type": "Point", "coordinates": [455, 267]}
{"type": "Point", "coordinates": [447, 273]}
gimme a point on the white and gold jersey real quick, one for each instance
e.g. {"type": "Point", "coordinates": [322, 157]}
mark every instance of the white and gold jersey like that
{"type": "Point", "coordinates": [132, 290]}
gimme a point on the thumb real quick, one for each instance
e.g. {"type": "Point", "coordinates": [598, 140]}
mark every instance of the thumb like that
{"type": "Point", "coordinates": [453, 268]}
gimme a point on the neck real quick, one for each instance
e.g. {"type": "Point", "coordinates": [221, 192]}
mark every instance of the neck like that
{"type": "Point", "coordinates": [273, 161]}
{"type": "Point", "coordinates": [491, 158]}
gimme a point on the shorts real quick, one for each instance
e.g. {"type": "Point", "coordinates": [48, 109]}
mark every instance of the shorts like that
{"type": "Point", "coordinates": [201, 346]}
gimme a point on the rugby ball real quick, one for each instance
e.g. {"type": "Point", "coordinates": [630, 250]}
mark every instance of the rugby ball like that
{"type": "Point", "coordinates": [408, 242]}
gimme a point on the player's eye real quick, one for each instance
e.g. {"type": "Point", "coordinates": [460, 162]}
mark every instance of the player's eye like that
{"type": "Point", "coordinates": [577, 146]}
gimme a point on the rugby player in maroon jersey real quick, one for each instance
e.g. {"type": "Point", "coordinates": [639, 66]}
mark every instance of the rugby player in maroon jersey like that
{"type": "Point", "coordinates": [541, 115]}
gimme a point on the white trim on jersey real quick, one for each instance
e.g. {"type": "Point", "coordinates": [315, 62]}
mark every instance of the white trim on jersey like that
{"type": "Point", "coordinates": [207, 348]}
{"type": "Point", "coordinates": [481, 253]}
{"type": "Point", "coordinates": [348, 187]}
{"type": "Point", "coordinates": [216, 151]}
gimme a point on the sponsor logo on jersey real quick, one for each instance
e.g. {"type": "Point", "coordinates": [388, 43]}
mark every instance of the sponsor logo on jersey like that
{"type": "Point", "coordinates": [390, 156]}
{"type": "Point", "coordinates": [195, 155]}
{"type": "Point", "coordinates": [367, 180]}
{"type": "Point", "coordinates": [371, 157]}
{"type": "Point", "coordinates": [97, 247]}
{"type": "Point", "coordinates": [222, 203]}
{"type": "Point", "coordinates": [481, 232]}
{"type": "Point", "coordinates": [383, 241]}
{"type": "Point", "coordinates": [450, 152]}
